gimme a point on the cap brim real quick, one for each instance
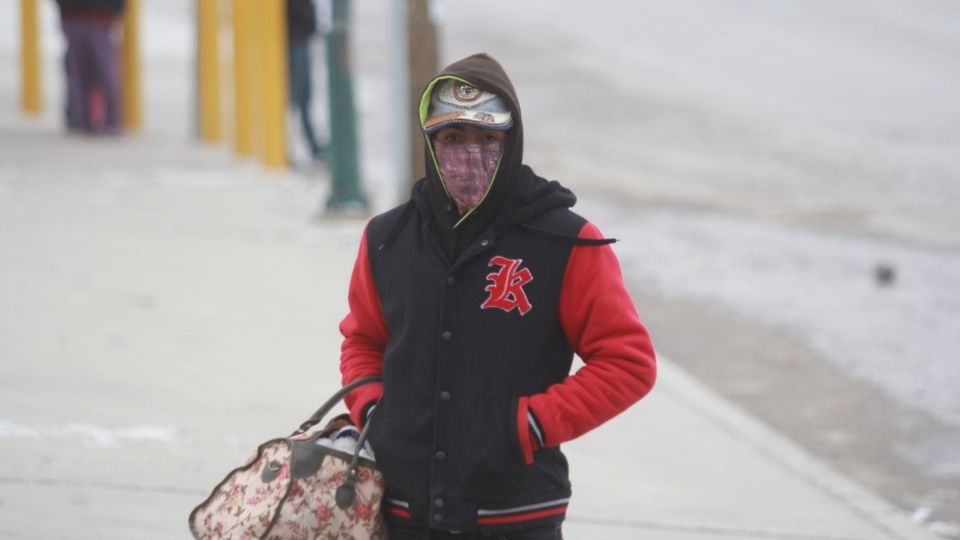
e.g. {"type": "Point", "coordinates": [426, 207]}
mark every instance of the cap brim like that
{"type": "Point", "coordinates": [496, 121]}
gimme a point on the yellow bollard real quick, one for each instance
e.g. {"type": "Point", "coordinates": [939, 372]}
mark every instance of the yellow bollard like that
{"type": "Point", "coordinates": [208, 69]}
{"type": "Point", "coordinates": [243, 76]}
{"type": "Point", "coordinates": [254, 80]}
{"type": "Point", "coordinates": [30, 99]}
{"type": "Point", "coordinates": [274, 82]}
{"type": "Point", "coordinates": [130, 88]}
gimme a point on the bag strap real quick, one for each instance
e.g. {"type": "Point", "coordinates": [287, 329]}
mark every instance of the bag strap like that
{"type": "Point", "coordinates": [317, 417]}
{"type": "Point", "coordinates": [346, 492]}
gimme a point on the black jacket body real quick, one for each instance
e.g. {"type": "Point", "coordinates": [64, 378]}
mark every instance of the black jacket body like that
{"type": "Point", "coordinates": [450, 434]}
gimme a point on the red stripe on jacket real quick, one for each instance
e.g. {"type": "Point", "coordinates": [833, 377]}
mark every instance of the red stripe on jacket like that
{"type": "Point", "coordinates": [527, 516]}
{"type": "Point", "coordinates": [399, 512]}
{"type": "Point", "coordinates": [365, 336]}
{"type": "Point", "coordinates": [601, 324]}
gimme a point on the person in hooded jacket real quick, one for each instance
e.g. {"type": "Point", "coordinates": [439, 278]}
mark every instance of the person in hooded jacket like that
{"type": "Point", "coordinates": [470, 301]}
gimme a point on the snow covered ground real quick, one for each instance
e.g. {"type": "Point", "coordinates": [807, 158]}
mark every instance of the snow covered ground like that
{"type": "Point", "coordinates": [820, 287]}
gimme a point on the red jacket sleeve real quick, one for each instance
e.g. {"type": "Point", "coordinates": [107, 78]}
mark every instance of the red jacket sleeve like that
{"type": "Point", "coordinates": [364, 336]}
{"type": "Point", "coordinates": [601, 324]}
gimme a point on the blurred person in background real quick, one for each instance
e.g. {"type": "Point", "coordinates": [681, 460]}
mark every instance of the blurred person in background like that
{"type": "Point", "coordinates": [470, 300]}
{"type": "Point", "coordinates": [303, 21]}
{"type": "Point", "coordinates": [93, 87]}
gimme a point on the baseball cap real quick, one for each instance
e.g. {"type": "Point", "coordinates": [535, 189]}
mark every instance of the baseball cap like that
{"type": "Point", "coordinates": [457, 102]}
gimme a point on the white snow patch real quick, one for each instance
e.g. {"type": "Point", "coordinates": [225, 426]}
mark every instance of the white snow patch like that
{"type": "Point", "coordinates": [944, 529]}
{"type": "Point", "coordinates": [89, 433]}
{"type": "Point", "coordinates": [819, 287]}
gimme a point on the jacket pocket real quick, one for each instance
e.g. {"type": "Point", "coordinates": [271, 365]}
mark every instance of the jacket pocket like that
{"type": "Point", "coordinates": [523, 438]}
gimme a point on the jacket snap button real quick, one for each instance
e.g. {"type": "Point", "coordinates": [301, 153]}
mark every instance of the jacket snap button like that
{"type": "Point", "coordinates": [450, 280]}
{"type": "Point", "coordinates": [437, 518]}
{"type": "Point", "coordinates": [484, 242]}
{"type": "Point", "coordinates": [446, 335]}
{"type": "Point", "coordinates": [438, 503]}
{"type": "Point", "coordinates": [444, 396]}
{"type": "Point", "coordinates": [440, 455]}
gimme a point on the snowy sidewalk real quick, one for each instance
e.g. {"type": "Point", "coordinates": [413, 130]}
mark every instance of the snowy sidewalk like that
{"type": "Point", "coordinates": [166, 308]}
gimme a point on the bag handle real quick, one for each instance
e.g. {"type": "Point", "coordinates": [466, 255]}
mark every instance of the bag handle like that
{"type": "Point", "coordinates": [317, 417]}
{"type": "Point", "coordinates": [347, 491]}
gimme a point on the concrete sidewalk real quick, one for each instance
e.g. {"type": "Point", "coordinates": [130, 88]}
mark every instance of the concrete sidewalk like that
{"type": "Point", "coordinates": [166, 308]}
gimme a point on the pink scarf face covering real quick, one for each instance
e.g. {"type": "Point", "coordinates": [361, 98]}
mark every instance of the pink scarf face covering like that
{"type": "Point", "coordinates": [467, 170]}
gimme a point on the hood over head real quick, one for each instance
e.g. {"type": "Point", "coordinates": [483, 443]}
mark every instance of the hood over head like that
{"type": "Point", "coordinates": [516, 195]}
{"type": "Point", "coordinates": [487, 75]}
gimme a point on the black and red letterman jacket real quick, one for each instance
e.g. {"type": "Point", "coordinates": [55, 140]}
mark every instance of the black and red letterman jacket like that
{"type": "Point", "coordinates": [476, 347]}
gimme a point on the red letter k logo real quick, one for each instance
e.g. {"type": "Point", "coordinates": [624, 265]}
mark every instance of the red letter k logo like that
{"type": "Point", "coordinates": [506, 287]}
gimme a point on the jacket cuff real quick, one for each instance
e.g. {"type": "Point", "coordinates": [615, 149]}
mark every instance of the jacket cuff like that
{"type": "Point", "coordinates": [529, 430]}
{"type": "Point", "coordinates": [360, 400]}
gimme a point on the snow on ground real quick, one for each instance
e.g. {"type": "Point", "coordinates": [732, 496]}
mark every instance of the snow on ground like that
{"type": "Point", "coordinates": [902, 337]}
{"type": "Point", "coordinates": [88, 433]}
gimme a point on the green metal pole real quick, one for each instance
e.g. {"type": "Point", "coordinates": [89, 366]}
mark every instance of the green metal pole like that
{"type": "Point", "coordinates": [345, 194]}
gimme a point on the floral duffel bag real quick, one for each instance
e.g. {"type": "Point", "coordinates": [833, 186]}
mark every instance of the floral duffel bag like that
{"type": "Point", "coordinates": [321, 484]}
